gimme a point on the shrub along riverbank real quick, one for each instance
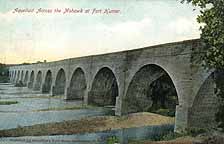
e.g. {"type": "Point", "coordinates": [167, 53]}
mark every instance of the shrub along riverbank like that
{"type": "Point", "coordinates": [4, 77]}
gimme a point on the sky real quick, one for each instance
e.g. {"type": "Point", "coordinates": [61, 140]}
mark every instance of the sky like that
{"type": "Point", "coordinates": [31, 36]}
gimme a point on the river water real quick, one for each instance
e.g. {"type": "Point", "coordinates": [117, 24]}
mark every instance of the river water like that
{"type": "Point", "coordinates": [26, 113]}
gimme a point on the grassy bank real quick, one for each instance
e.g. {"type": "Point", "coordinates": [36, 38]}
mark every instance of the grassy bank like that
{"type": "Point", "coordinates": [190, 136]}
{"type": "Point", "coordinates": [180, 140]}
{"type": "Point", "coordinates": [88, 125]}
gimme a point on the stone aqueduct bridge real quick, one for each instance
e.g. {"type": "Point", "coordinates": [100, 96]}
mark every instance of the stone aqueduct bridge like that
{"type": "Point", "coordinates": [121, 77]}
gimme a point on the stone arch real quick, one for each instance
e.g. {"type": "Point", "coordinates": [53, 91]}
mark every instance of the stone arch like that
{"type": "Point", "coordinates": [204, 108]}
{"type": "Point", "coordinates": [60, 83]}
{"type": "Point", "coordinates": [22, 74]}
{"type": "Point", "coordinates": [26, 77]}
{"type": "Point", "coordinates": [14, 76]}
{"type": "Point", "coordinates": [104, 88]}
{"type": "Point", "coordinates": [18, 76]}
{"type": "Point", "coordinates": [77, 85]}
{"type": "Point", "coordinates": [47, 82]}
{"type": "Point", "coordinates": [11, 75]}
{"type": "Point", "coordinates": [151, 89]}
{"type": "Point", "coordinates": [38, 81]}
{"type": "Point", "coordinates": [31, 82]}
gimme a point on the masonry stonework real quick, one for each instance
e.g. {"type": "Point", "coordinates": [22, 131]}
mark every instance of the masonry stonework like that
{"type": "Point", "coordinates": [118, 78]}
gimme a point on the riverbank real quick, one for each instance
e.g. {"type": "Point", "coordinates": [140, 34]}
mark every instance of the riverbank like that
{"type": "Point", "coordinates": [209, 139]}
{"type": "Point", "coordinates": [180, 140]}
{"type": "Point", "coordinates": [89, 125]}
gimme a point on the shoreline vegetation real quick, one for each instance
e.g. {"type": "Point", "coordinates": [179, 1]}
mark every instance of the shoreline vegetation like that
{"type": "Point", "coordinates": [89, 125]}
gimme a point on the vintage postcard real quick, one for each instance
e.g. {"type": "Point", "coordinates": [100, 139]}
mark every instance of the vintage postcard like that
{"type": "Point", "coordinates": [111, 71]}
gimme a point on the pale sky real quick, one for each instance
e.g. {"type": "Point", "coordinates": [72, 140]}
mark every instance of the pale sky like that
{"type": "Point", "coordinates": [31, 37]}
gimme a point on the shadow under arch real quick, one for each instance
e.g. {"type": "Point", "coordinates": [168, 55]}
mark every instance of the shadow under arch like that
{"type": "Point", "coordinates": [26, 78]}
{"type": "Point", "coordinates": [38, 81]}
{"type": "Point", "coordinates": [22, 75]}
{"type": "Point", "coordinates": [47, 82]}
{"type": "Point", "coordinates": [104, 88]}
{"type": "Point", "coordinates": [18, 76]}
{"type": "Point", "coordinates": [60, 83]}
{"type": "Point", "coordinates": [31, 81]}
{"type": "Point", "coordinates": [151, 90]}
{"type": "Point", "coordinates": [77, 87]}
{"type": "Point", "coordinates": [14, 76]}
